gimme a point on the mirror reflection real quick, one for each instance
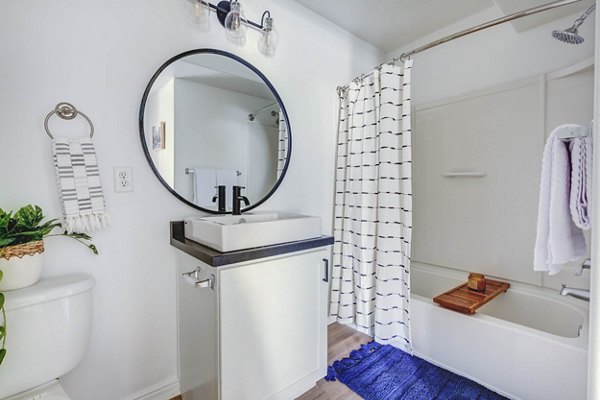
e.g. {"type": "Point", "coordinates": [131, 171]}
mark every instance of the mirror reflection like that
{"type": "Point", "coordinates": [209, 120]}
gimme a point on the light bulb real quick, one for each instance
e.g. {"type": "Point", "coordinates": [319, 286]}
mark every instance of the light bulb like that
{"type": "Point", "coordinates": [267, 44]}
{"type": "Point", "coordinates": [200, 13]}
{"type": "Point", "coordinates": [235, 28]}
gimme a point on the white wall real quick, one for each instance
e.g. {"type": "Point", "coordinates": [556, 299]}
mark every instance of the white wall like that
{"type": "Point", "coordinates": [160, 108]}
{"type": "Point", "coordinates": [488, 224]}
{"type": "Point", "coordinates": [100, 56]}
{"type": "Point", "coordinates": [490, 239]}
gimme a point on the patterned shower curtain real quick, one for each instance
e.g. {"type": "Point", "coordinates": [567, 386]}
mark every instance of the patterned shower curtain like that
{"type": "Point", "coordinates": [283, 144]}
{"type": "Point", "coordinates": [373, 207]}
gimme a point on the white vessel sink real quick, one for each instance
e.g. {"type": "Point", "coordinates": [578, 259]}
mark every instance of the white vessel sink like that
{"type": "Point", "coordinates": [238, 232]}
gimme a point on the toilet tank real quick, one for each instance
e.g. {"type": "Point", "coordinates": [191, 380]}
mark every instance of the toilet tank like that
{"type": "Point", "coordinates": [48, 331]}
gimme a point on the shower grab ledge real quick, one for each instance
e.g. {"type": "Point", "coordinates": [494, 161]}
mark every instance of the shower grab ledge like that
{"type": "Point", "coordinates": [465, 174]}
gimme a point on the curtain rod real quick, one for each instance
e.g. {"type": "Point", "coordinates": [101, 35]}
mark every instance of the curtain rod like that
{"type": "Point", "coordinates": [489, 24]}
{"type": "Point", "coordinates": [264, 108]}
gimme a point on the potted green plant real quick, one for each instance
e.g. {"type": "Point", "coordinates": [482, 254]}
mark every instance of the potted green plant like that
{"type": "Point", "coordinates": [22, 244]}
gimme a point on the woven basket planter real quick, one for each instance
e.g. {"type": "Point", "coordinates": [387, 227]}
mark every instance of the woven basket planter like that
{"type": "Point", "coordinates": [21, 265]}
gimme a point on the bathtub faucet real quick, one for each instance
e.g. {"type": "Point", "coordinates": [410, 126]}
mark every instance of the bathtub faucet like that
{"type": "Point", "coordinates": [587, 264]}
{"type": "Point", "coordinates": [581, 294]}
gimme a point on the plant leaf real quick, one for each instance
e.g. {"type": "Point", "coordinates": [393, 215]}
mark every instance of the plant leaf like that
{"type": "Point", "coordinates": [1, 300]}
{"type": "Point", "coordinates": [78, 235]}
{"type": "Point", "coordinates": [5, 219]}
{"type": "Point", "coordinates": [93, 248]}
{"type": "Point", "coordinates": [1, 275]}
{"type": "Point", "coordinates": [32, 233]}
{"type": "Point", "coordinates": [2, 355]}
{"type": "Point", "coordinates": [28, 217]}
{"type": "Point", "coordinates": [5, 241]}
{"type": "Point", "coordinates": [2, 331]}
{"type": "Point", "coordinates": [48, 226]}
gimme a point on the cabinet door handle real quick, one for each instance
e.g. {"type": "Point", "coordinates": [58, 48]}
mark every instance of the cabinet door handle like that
{"type": "Point", "coordinates": [326, 265]}
{"type": "Point", "coordinates": [193, 278]}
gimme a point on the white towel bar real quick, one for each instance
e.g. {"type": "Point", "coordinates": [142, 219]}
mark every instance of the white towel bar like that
{"type": "Point", "coordinates": [573, 132]}
{"type": "Point", "coordinates": [190, 171]}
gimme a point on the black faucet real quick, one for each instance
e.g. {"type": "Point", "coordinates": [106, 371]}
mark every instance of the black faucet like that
{"type": "Point", "coordinates": [237, 200]}
{"type": "Point", "coordinates": [221, 196]}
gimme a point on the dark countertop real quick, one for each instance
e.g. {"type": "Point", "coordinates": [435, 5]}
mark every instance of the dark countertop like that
{"type": "Point", "coordinates": [216, 258]}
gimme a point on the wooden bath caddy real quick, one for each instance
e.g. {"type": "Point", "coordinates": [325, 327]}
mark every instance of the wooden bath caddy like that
{"type": "Point", "coordinates": [466, 301]}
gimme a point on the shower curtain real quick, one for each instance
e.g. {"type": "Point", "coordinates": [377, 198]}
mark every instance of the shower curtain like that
{"type": "Point", "coordinates": [373, 207]}
{"type": "Point", "coordinates": [283, 144]}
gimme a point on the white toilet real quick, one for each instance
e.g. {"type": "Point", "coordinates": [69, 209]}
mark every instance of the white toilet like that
{"type": "Point", "coordinates": [48, 333]}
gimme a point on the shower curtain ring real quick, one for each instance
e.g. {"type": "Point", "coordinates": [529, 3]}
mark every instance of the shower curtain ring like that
{"type": "Point", "coordinates": [403, 57]}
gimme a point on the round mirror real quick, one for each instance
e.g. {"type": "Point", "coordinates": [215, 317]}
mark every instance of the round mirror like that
{"type": "Point", "coordinates": [210, 121]}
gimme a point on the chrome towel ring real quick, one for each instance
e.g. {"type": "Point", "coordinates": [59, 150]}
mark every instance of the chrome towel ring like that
{"type": "Point", "coordinates": [66, 111]}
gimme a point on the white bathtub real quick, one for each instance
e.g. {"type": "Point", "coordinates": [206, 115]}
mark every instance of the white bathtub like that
{"type": "Point", "coordinates": [529, 343]}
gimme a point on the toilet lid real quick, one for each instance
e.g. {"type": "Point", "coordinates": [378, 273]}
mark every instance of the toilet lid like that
{"type": "Point", "coordinates": [47, 290]}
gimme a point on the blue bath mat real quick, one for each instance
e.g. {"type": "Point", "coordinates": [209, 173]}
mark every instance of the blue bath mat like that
{"type": "Point", "coordinates": [383, 372]}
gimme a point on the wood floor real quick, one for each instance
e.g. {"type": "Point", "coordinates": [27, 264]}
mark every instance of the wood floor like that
{"type": "Point", "coordinates": [341, 340]}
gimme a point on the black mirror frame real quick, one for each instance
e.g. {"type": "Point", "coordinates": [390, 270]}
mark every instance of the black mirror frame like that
{"type": "Point", "coordinates": [269, 85]}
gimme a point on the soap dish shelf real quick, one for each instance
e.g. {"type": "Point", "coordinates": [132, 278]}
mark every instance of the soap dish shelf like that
{"type": "Point", "coordinates": [467, 301]}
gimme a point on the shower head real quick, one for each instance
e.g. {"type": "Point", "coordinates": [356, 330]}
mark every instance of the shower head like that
{"type": "Point", "coordinates": [570, 35]}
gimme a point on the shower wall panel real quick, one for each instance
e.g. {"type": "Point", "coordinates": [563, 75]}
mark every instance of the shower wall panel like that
{"type": "Point", "coordinates": [486, 222]}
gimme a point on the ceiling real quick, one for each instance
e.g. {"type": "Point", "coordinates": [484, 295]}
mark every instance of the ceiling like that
{"type": "Point", "coordinates": [216, 71]}
{"type": "Point", "coordinates": [391, 24]}
{"type": "Point", "coordinates": [532, 21]}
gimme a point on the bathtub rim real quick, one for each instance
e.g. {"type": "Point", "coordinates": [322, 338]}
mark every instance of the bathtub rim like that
{"type": "Point", "coordinates": [579, 306]}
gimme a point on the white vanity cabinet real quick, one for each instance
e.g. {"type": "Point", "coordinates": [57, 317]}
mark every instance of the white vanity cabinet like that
{"type": "Point", "coordinates": [261, 333]}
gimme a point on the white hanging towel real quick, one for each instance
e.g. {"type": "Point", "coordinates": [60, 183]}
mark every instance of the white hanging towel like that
{"type": "Point", "coordinates": [581, 179]}
{"type": "Point", "coordinates": [79, 185]}
{"type": "Point", "coordinates": [558, 240]}
{"type": "Point", "coordinates": [204, 182]}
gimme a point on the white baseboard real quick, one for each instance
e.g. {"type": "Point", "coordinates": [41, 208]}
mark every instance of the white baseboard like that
{"type": "Point", "coordinates": [300, 387]}
{"type": "Point", "coordinates": [165, 390]}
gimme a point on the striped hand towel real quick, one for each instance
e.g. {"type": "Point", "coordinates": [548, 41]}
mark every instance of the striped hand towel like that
{"type": "Point", "coordinates": [79, 185]}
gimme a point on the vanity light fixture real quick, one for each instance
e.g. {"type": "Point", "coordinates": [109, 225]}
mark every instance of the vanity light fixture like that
{"type": "Point", "coordinates": [234, 27]}
{"type": "Point", "coordinates": [267, 44]}
{"type": "Point", "coordinates": [200, 13]}
{"type": "Point", "coordinates": [231, 17]}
